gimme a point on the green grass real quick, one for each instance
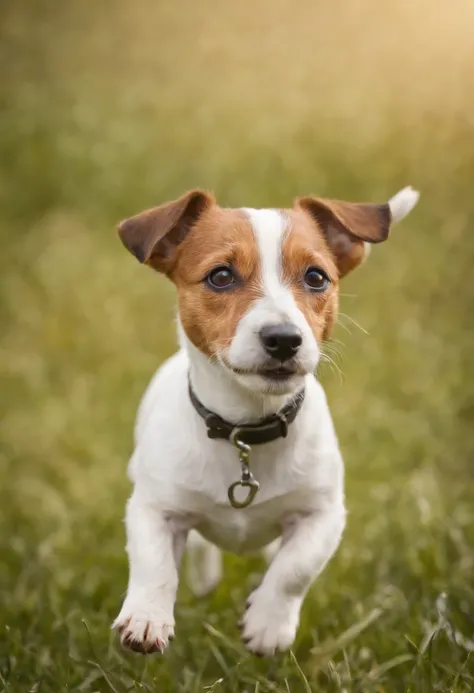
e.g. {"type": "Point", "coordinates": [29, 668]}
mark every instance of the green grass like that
{"type": "Point", "coordinates": [115, 106]}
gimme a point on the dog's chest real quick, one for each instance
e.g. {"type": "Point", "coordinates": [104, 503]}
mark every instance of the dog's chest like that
{"type": "Point", "coordinates": [239, 530]}
{"type": "Point", "coordinates": [285, 470]}
{"type": "Point", "coordinates": [288, 485]}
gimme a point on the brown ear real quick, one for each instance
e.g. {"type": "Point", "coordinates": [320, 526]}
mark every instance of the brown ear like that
{"type": "Point", "coordinates": [154, 235]}
{"type": "Point", "coordinates": [348, 226]}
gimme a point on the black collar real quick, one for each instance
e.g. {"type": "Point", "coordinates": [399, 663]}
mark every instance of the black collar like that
{"type": "Point", "coordinates": [267, 429]}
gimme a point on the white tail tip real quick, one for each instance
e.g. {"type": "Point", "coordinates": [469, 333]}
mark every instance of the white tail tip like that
{"type": "Point", "coordinates": [402, 203]}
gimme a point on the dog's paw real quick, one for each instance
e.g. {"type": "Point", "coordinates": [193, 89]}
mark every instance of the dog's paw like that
{"type": "Point", "coordinates": [144, 630]}
{"type": "Point", "coordinates": [270, 622]}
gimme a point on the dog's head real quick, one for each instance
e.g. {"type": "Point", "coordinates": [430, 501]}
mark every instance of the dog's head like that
{"type": "Point", "coordinates": [258, 289]}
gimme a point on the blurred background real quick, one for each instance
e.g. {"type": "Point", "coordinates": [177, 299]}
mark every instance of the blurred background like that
{"type": "Point", "coordinates": [111, 107]}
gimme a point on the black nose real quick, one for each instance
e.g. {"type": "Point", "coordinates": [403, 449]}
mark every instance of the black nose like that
{"type": "Point", "coordinates": [281, 341]}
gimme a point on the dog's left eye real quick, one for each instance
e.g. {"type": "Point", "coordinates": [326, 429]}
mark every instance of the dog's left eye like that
{"type": "Point", "coordinates": [316, 279]}
{"type": "Point", "coordinates": [221, 278]}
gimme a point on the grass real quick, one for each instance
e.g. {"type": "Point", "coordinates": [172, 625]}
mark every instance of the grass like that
{"type": "Point", "coordinates": [111, 107]}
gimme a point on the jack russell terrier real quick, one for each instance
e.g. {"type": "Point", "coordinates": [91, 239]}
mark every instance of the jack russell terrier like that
{"type": "Point", "coordinates": [234, 443]}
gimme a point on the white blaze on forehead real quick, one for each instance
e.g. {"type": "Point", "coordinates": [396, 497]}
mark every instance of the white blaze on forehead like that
{"type": "Point", "coordinates": [277, 303]}
{"type": "Point", "coordinates": [269, 227]}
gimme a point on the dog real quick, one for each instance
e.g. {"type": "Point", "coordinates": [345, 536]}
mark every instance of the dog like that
{"type": "Point", "coordinates": [235, 448]}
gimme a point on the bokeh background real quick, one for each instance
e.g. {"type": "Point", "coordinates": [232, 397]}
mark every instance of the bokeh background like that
{"type": "Point", "coordinates": [113, 106]}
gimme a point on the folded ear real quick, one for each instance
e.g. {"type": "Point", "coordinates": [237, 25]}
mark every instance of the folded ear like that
{"type": "Point", "coordinates": [350, 228]}
{"type": "Point", "coordinates": [154, 235]}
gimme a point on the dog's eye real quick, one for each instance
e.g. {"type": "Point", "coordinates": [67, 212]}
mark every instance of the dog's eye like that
{"type": "Point", "coordinates": [316, 279]}
{"type": "Point", "coordinates": [221, 278]}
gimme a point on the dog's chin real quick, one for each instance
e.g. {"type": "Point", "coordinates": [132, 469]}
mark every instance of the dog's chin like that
{"type": "Point", "coordinates": [271, 382]}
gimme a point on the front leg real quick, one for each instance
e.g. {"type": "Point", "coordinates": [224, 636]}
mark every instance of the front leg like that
{"type": "Point", "coordinates": [154, 546]}
{"type": "Point", "coordinates": [272, 616]}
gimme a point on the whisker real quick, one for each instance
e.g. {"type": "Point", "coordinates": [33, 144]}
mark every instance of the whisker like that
{"type": "Point", "coordinates": [331, 340]}
{"type": "Point", "coordinates": [335, 353]}
{"type": "Point", "coordinates": [333, 365]}
{"type": "Point", "coordinates": [354, 322]}
{"type": "Point", "coordinates": [344, 327]}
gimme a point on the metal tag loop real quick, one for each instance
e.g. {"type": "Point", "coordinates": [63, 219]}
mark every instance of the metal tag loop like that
{"type": "Point", "coordinates": [253, 487]}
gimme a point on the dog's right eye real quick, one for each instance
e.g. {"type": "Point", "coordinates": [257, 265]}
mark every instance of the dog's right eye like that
{"type": "Point", "coordinates": [221, 278]}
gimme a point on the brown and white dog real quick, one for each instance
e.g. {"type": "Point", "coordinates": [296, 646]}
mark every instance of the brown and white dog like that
{"type": "Point", "coordinates": [238, 408]}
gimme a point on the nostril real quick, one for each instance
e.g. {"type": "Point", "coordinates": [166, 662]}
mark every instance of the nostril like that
{"type": "Point", "coordinates": [271, 343]}
{"type": "Point", "coordinates": [295, 342]}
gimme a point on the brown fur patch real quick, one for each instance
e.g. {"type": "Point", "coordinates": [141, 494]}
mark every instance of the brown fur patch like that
{"type": "Point", "coordinates": [346, 225]}
{"type": "Point", "coordinates": [219, 237]}
{"type": "Point", "coordinates": [303, 247]}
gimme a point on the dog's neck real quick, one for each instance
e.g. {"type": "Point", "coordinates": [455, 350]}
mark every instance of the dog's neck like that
{"type": "Point", "coordinates": [217, 390]}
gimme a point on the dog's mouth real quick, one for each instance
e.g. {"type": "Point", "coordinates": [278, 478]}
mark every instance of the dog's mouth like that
{"type": "Point", "coordinates": [277, 373]}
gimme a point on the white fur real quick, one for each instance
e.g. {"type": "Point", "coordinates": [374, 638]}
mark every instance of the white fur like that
{"type": "Point", "coordinates": [402, 203]}
{"type": "Point", "coordinates": [269, 227]}
{"type": "Point", "coordinates": [181, 478]}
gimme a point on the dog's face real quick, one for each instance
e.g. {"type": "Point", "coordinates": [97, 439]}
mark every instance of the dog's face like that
{"type": "Point", "coordinates": [258, 289]}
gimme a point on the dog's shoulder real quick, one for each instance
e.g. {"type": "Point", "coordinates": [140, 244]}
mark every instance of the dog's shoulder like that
{"type": "Point", "coordinates": [168, 382]}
